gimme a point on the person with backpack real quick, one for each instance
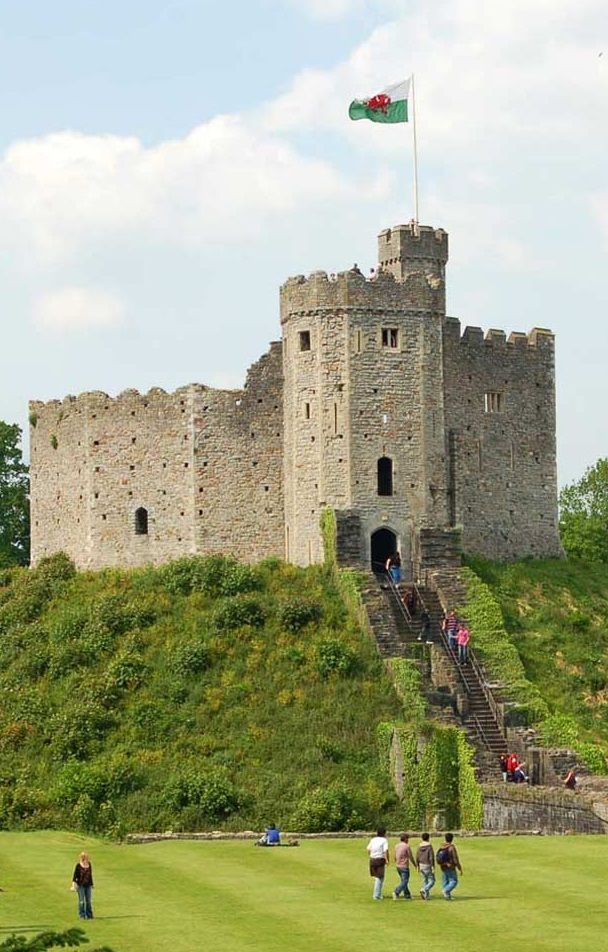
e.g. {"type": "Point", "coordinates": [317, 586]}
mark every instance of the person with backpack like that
{"type": "Point", "coordinates": [448, 860]}
{"type": "Point", "coordinates": [403, 858]}
{"type": "Point", "coordinates": [425, 861]}
{"type": "Point", "coordinates": [378, 860]}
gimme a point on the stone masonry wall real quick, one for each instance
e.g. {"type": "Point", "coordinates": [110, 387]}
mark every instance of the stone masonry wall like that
{"type": "Point", "coordinates": [502, 464]}
{"type": "Point", "coordinates": [350, 400]}
{"type": "Point", "coordinates": [238, 485]}
{"type": "Point", "coordinates": [96, 460]}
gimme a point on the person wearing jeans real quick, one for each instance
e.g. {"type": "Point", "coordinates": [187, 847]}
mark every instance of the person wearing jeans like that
{"type": "Point", "coordinates": [462, 638]}
{"type": "Point", "coordinates": [425, 860]}
{"type": "Point", "coordinates": [403, 857]}
{"type": "Point", "coordinates": [449, 866]}
{"type": "Point", "coordinates": [82, 881]}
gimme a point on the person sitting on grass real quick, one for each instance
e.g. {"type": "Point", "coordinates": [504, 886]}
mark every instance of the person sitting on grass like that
{"type": "Point", "coordinates": [271, 837]}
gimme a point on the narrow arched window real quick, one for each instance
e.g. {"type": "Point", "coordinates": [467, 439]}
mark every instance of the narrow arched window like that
{"type": "Point", "coordinates": [141, 521]}
{"type": "Point", "coordinates": [385, 476]}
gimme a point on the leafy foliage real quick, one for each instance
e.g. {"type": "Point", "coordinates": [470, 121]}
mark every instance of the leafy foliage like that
{"type": "Point", "coordinates": [556, 617]}
{"type": "Point", "coordinates": [71, 939]}
{"type": "Point", "coordinates": [178, 698]}
{"type": "Point", "coordinates": [14, 504]}
{"type": "Point", "coordinates": [584, 515]}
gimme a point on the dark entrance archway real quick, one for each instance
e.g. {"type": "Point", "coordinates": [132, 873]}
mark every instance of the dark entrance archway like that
{"type": "Point", "coordinates": [384, 543]}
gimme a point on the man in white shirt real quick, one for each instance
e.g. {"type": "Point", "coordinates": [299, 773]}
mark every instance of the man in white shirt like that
{"type": "Point", "coordinates": [378, 860]}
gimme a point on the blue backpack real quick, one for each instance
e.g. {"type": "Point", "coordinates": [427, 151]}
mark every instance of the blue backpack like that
{"type": "Point", "coordinates": [444, 856]}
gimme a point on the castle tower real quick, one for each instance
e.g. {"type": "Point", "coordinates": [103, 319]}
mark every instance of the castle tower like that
{"type": "Point", "coordinates": [405, 249]}
{"type": "Point", "coordinates": [363, 398]}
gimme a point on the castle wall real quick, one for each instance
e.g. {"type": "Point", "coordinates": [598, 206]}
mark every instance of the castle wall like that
{"type": "Point", "coordinates": [206, 465]}
{"type": "Point", "coordinates": [133, 451]}
{"type": "Point", "coordinates": [500, 430]}
{"type": "Point", "coordinates": [238, 486]}
{"type": "Point", "coordinates": [59, 495]}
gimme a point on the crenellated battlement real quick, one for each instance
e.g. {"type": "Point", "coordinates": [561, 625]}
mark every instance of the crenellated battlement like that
{"type": "Point", "coordinates": [321, 291]}
{"type": "Point", "coordinates": [538, 339]}
{"type": "Point", "coordinates": [406, 249]}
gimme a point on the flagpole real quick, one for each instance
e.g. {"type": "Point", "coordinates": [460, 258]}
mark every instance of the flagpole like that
{"type": "Point", "coordinates": [416, 219]}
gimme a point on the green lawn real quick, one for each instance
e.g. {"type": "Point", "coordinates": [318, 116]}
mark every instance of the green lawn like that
{"type": "Point", "coordinates": [543, 893]}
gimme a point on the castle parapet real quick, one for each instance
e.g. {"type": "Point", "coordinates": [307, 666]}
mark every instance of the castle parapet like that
{"type": "Point", "coordinates": [321, 292]}
{"type": "Point", "coordinates": [473, 338]}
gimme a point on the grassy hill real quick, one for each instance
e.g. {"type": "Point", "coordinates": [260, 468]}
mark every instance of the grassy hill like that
{"type": "Point", "coordinates": [555, 614]}
{"type": "Point", "coordinates": [199, 694]}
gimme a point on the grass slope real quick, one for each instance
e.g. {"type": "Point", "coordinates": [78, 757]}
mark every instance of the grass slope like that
{"type": "Point", "coordinates": [231, 897]}
{"type": "Point", "coordinates": [556, 615]}
{"type": "Point", "coordinates": [197, 695]}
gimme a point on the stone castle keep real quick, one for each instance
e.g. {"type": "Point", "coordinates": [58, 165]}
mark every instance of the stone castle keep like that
{"type": "Point", "coordinates": [373, 404]}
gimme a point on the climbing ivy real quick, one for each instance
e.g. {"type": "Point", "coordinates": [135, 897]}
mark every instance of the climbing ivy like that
{"type": "Point", "coordinates": [408, 684]}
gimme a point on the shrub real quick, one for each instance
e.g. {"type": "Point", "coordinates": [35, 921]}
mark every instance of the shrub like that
{"type": "Point", "coordinates": [101, 781]}
{"type": "Point", "coordinates": [334, 657]}
{"type": "Point", "coordinates": [211, 791]}
{"type": "Point", "coordinates": [325, 810]}
{"type": "Point", "coordinates": [190, 658]}
{"type": "Point", "coordinates": [235, 612]}
{"type": "Point", "coordinates": [297, 614]}
{"type": "Point", "coordinates": [120, 614]}
{"type": "Point", "coordinates": [215, 575]}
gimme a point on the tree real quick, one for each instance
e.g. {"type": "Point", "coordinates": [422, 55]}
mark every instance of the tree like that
{"type": "Point", "coordinates": [14, 503]}
{"type": "Point", "coordinates": [584, 515]}
{"type": "Point", "coordinates": [48, 940]}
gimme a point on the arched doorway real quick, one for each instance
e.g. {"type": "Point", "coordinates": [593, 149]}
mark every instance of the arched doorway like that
{"type": "Point", "coordinates": [384, 543]}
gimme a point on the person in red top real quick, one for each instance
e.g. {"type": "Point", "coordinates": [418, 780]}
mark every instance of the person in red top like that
{"type": "Point", "coordinates": [462, 639]}
{"type": "Point", "coordinates": [512, 765]}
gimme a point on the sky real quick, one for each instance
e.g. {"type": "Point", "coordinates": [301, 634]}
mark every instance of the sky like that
{"type": "Point", "coordinates": [166, 164]}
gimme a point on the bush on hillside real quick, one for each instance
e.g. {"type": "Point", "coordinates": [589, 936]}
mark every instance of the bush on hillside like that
{"type": "Point", "coordinates": [192, 657]}
{"type": "Point", "coordinates": [334, 657]}
{"type": "Point", "coordinates": [211, 791]}
{"type": "Point", "coordinates": [236, 612]}
{"type": "Point", "coordinates": [214, 575]}
{"type": "Point", "coordinates": [298, 613]}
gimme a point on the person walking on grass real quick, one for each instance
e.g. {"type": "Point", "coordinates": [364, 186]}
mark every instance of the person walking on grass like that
{"type": "Point", "coordinates": [378, 860]}
{"type": "Point", "coordinates": [425, 861]}
{"type": "Point", "coordinates": [403, 858]}
{"type": "Point", "coordinates": [447, 857]}
{"type": "Point", "coordinates": [82, 882]}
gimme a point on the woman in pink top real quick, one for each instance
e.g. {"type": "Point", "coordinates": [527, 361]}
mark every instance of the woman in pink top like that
{"type": "Point", "coordinates": [462, 639]}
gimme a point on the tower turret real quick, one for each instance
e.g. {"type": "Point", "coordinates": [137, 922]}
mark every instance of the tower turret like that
{"type": "Point", "coordinates": [405, 249]}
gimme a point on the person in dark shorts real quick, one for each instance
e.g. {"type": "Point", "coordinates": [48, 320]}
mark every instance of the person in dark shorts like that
{"type": "Point", "coordinates": [378, 860]}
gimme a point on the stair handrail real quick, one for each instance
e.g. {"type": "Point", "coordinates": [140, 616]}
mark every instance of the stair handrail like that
{"type": "Point", "coordinates": [395, 591]}
{"type": "Point", "coordinates": [487, 692]}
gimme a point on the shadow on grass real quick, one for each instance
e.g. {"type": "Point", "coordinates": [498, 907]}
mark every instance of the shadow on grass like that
{"type": "Point", "coordinates": [107, 918]}
{"type": "Point", "coordinates": [45, 925]}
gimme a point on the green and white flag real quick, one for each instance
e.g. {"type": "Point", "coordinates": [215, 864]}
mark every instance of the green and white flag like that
{"type": "Point", "coordinates": [390, 105]}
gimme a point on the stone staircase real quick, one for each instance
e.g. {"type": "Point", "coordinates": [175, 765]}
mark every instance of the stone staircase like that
{"type": "Point", "coordinates": [398, 635]}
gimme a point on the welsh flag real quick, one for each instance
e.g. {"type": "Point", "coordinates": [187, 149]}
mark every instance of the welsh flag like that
{"type": "Point", "coordinates": [390, 105]}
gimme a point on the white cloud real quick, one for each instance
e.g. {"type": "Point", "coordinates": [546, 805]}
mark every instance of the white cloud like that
{"type": "Point", "coordinates": [329, 9]}
{"type": "Point", "coordinates": [66, 190]}
{"type": "Point", "coordinates": [76, 309]}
